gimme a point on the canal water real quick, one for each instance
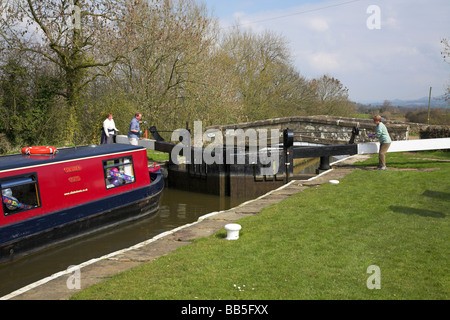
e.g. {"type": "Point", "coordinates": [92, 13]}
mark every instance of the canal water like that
{"type": "Point", "coordinates": [177, 208]}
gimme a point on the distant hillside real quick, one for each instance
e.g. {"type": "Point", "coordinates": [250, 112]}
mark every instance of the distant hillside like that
{"type": "Point", "coordinates": [437, 102]}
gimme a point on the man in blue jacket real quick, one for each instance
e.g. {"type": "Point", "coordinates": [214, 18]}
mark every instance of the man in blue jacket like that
{"type": "Point", "coordinates": [135, 131]}
{"type": "Point", "coordinates": [385, 141]}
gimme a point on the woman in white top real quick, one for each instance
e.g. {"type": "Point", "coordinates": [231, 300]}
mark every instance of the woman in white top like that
{"type": "Point", "coordinates": [109, 129]}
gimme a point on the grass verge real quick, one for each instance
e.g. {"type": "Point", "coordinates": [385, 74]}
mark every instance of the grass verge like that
{"type": "Point", "coordinates": [156, 156]}
{"type": "Point", "coordinates": [318, 244]}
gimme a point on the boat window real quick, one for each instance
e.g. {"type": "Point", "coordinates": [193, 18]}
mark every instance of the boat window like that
{"type": "Point", "coordinates": [19, 193]}
{"type": "Point", "coordinates": [118, 172]}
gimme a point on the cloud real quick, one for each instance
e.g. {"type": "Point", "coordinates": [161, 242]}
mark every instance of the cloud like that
{"type": "Point", "coordinates": [318, 24]}
{"type": "Point", "coordinates": [401, 59]}
{"type": "Point", "coordinates": [324, 62]}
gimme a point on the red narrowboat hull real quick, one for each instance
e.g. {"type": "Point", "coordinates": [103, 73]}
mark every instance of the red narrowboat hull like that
{"type": "Point", "coordinates": [49, 199]}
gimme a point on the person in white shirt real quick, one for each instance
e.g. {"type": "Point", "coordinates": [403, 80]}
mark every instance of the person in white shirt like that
{"type": "Point", "coordinates": [109, 130]}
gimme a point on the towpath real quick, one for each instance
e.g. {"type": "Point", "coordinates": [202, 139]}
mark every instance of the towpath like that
{"type": "Point", "coordinates": [60, 286]}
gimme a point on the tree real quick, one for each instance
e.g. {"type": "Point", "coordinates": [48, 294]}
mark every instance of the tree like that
{"type": "Point", "coordinates": [14, 89]}
{"type": "Point", "coordinates": [28, 106]}
{"type": "Point", "coordinates": [331, 96]}
{"type": "Point", "coordinates": [69, 34]}
{"type": "Point", "coordinates": [171, 69]}
{"type": "Point", "coordinates": [267, 83]}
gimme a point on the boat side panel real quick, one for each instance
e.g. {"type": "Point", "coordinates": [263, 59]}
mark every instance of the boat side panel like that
{"type": "Point", "coordinates": [74, 182]}
{"type": "Point", "coordinates": [40, 232]}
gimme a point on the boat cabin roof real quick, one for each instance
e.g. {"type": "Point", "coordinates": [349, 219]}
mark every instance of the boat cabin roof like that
{"type": "Point", "coordinates": [17, 161]}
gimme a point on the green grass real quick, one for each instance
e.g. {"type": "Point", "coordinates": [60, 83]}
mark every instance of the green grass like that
{"type": "Point", "coordinates": [318, 244]}
{"type": "Point", "coordinates": [361, 115]}
{"type": "Point", "coordinates": [157, 156]}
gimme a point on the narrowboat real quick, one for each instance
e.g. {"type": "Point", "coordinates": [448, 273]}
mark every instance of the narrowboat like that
{"type": "Point", "coordinates": [70, 192]}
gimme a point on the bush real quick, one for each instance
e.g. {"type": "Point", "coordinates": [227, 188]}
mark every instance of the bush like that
{"type": "Point", "coordinates": [438, 116]}
{"type": "Point", "coordinates": [5, 146]}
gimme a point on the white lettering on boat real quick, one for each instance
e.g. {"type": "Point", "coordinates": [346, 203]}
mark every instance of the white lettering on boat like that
{"type": "Point", "coordinates": [74, 192]}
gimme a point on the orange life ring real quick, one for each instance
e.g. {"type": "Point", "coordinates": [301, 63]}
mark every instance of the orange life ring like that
{"type": "Point", "coordinates": [39, 150]}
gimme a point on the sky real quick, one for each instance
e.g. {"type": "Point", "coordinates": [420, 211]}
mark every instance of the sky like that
{"type": "Point", "coordinates": [379, 49]}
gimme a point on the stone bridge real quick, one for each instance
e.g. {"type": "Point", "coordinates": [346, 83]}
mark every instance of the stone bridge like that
{"type": "Point", "coordinates": [321, 129]}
